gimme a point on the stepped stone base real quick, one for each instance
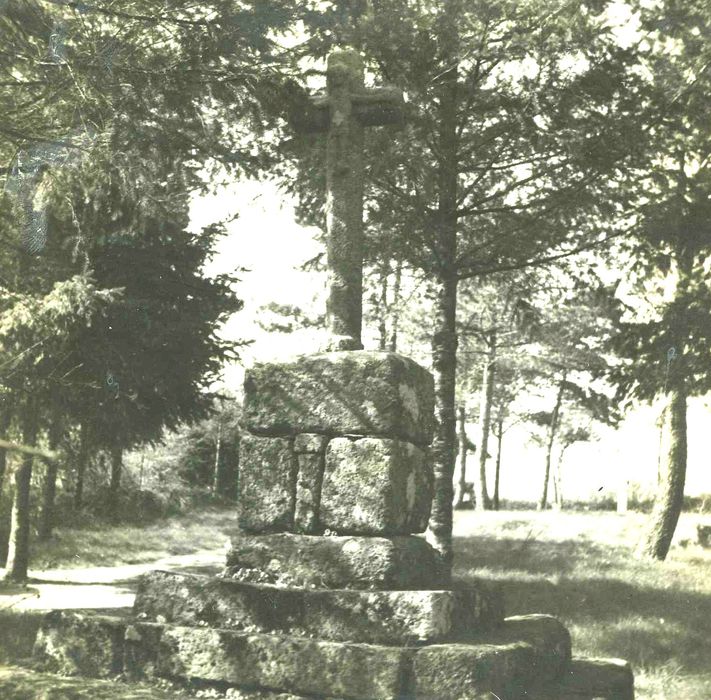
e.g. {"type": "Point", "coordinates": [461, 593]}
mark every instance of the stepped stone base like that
{"type": "Point", "coordinates": [308, 667]}
{"type": "Point", "coordinates": [378, 617]}
{"type": "Point", "coordinates": [376, 394]}
{"type": "Point", "coordinates": [395, 563]}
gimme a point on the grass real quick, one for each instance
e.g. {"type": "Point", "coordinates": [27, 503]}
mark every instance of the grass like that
{"type": "Point", "coordinates": [580, 568]}
{"type": "Point", "coordinates": [113, 545]}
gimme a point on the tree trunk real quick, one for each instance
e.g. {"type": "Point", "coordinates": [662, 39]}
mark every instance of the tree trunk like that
{"type": "Point", "coordinates": [82, 460]}
{"type": "Point", "coordinates": [543, 503]}
{"type": "Point", "coordinates": [5, 420]}
{"type": "Point", "coordinates": [462, 458]}
{"type": "Point", "coordinates": [670, 498]}
{"type": "Point", "coordinates": [219, 477]}
{"type": "Point", "coordinates": [499, 442]}
{"type": "Point", "coordinates": [444, 361]}
{"type": "Point", "coordinates": [395, 307]}
{"type": "Point", "coordinates": [558, 480]}
{"type": "Point", "coordinates": [49, 485]}
{"type": "Point", "coordinates": [487, 394]}
{"type": "Point", "coordinates": [444, 336]}
{"type": "Point", "coordinates": [383, 308]}
{"type": "Point", "coordinates": [18, 555]}
{"type": "Point", "coordinates": [115, 480]}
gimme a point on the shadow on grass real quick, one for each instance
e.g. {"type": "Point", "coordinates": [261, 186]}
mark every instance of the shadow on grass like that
{"type": "Point", "coordinates": [613, 605]}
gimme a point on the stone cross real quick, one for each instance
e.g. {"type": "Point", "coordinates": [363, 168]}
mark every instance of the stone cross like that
{"type": "Point", "coordinates": [342, 113]}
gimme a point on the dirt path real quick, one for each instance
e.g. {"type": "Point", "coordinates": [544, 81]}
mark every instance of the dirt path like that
{"type": "Point", "coordinates": [99, 586]}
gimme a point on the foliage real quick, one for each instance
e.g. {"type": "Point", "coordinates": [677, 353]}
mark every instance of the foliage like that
{"type": "Point", "coordinates": [185, 458]}
{"type": "Point", "coordinates": [669, 319]}
{"type": "Point", "coordinates": [544, 107]}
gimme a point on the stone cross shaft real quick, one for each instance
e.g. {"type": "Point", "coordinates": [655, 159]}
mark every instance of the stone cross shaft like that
{"type": "Point", "coordinates": [342, 114]}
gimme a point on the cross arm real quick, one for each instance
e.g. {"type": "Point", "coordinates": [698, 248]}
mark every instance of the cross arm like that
{"type": "Point", "coordinates": [372, 107]}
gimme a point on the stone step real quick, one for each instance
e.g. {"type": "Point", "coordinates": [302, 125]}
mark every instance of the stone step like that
{"type": "Point", "coordinates": [376, 617]}
{"type": "Point", "coordinates": [523, 652]}
{"type": "Point", "coordinates": [104, 647]}
{"type": "Point", "coordinates": [527, 652]}
{"type": "Point", "coordinates": [594, 679]}
{"type": "Point", "coordinates": [386, 563]}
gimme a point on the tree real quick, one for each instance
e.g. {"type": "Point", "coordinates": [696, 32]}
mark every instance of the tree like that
{"type": "Point", "coordinates": [187, 455]}
{"type": "Point", "coordinates": [570, 362]}
{"type": "Point", "coordinates": [569, 435]}
{"type": "Point", "coordinates": [465, 446]}
{"type": "Point", "coordinates": [18, 546]}
{"type": "Point", "coordinates": [49, 483]}
{"type": "Point", "coordinates": [666, 335]}
{"type": "Point", "coordinates": [106, 108]}
{"type": "Point", "coordinates": [35, 333]}
{"type": "Point", "coordinates": [150, 360]}
{"type": "Point", "coordinates": [496, 320]}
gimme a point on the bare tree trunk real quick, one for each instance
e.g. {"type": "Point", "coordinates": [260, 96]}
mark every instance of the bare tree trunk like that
{"type": "Point", "coordinates": [670, 497]}
{"type": "Point", "coordinates": [444, 356]}
{"type": "Point", "coordinates": [444, 337]}
{"type": "Point", "coordinates": [558, 480]}
{"type": "Point", "coordinates": [5, 420]}
{"type": "Point", "coordinates": [487, 394]}
{"type": "Point", "coordinates": [543, 503]}
{"type": "Point", "coordinates": [395, 307]}
{"type": "Point", "coordinates": [18, 555]}
{"type": "Point", "coordinates": [463, 444]}
{"type": "Point", "coordinates": [82, 460]}
{"type": "Point", "coordinates": [49, 485]}
{"type": "Point", "coordinates": [115, 481]}
{"type": "Point", "coordinates": [383, 308]}
{"type": "Point", "coordinates": [219, 485]}
{"type": "Point", "coordinates": [499, 441]}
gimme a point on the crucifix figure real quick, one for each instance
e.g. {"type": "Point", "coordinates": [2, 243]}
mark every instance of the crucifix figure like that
{"type": "Point", "coordinates": [342, 113]}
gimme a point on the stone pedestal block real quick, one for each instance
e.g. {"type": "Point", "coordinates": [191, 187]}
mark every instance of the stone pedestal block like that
{"type": "Point", "coordinates": [341, 393]}
{"type": "Point", "coordinates": [310, 450]}
{"type": "Point", "coordinates": [335, 562]}
{"type": "Point", "coordinates": [377, 617]}
{"type": "Point", "coordinates": [267, 483]}
{"type": "Point", "coordinates": [375, 486]}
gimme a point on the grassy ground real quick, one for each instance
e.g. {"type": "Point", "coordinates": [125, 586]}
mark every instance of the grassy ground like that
{"type": "Point", "coordinates": [206, 528]}
{"type": "Point", "coordinates": [579, 567]}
